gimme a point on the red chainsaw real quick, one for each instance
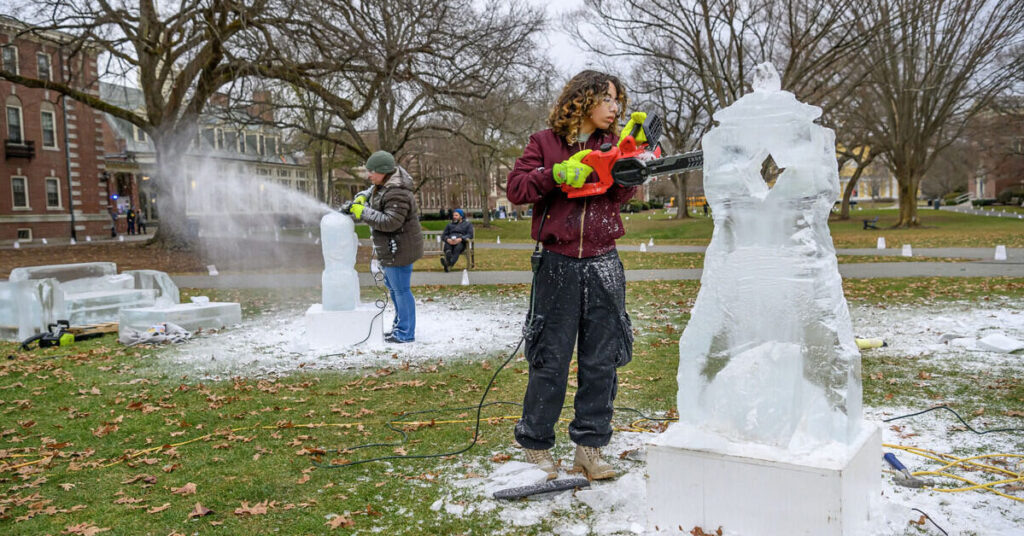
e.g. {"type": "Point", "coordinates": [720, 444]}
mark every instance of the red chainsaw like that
{"type": "Point", "coordinates": [631, 164]}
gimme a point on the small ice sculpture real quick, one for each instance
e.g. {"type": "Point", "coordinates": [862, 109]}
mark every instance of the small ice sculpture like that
{"type": "Point", "coordinates": [769, 355]}
{"type": "Point", "coordinates": [340, 280]}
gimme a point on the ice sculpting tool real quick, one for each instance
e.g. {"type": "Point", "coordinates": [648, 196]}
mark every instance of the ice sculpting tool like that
{"type": "Point", "coordinates": [610, 159]}
{"type": "Point", "coordinates": [550, 486]}
{"type": "Point", "coordinates": [904, 478]}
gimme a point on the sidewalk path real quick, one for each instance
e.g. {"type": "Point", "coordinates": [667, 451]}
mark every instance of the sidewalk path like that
{"type": "Point", "coordinates": [867, 270]}
{"type": "Point", "coordinates": [991, 211]}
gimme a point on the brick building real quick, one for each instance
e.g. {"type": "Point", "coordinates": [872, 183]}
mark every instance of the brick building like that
{"type": "Point", "coordinates": [51, 182]}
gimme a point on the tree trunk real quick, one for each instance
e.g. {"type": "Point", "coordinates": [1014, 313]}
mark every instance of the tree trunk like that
{"type": "Point", "coordinates": [844, 212]}
{"type": "Point", "coordinates": [174, 230]}
{"type": "Point", "coordinates": [682, 211]}
{"type": "Point", "coordinates": [318, 168]}
{"type": "Point", "coordinates": [908, 201]}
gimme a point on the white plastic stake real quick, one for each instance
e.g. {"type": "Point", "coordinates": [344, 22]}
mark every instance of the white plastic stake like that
{"type": "Point", "coordinates": [45, 242]}
{"type": "Point", "coordinates": [881, 242]}
{"type": "Point", "coordinates": [1000, 253]}
{"type": "Point", "coordinates": [499, 239]}
{"type": "Point", "coordinates": [651, 242]}
{"type": "Point", "coordinates": [907, 251]}
{"type": "Point", "coordinates": [88, 238]}
{"type": "Point", "coordinates": [17, 245]}
{"type": "Point", "coordinates": [73, 242]}
{"type": "Point", "coordinates": [120, 238]}
{"type": "Point", "coordinates": [465, 277]}
{"type": "Point", "coordinates": [643, 248]}
{"type": "Point", "coordinates": [212, 269]}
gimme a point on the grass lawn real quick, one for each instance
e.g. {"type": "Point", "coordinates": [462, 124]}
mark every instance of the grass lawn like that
{"type": "Point", "coordinates": [122, 439]}
{"type": "Point", "coordinates": [938, 229]}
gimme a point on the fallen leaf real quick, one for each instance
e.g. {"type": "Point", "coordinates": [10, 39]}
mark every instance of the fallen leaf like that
{"type": "Point", "coordinates": [148, 479]}
{"type": "Point", "coordinates": [302, 479]}
{"type": "Point", "coordinates": [924, 375]}
{"type": "Point", "coordinates": [187, 489]}
{"type": "Point", "coordinates": [498, 458]}
{"type": "Point", "coordinates": [67, 487]}
{"type": "Point", "coordinates": [199, 511]}
{"type": "Point", "coordinates": [256, 509]}
{"type": "Point", "coordinates": [340, 521]}
{"type": "Point", "coordinates": [160, 508]}
{"type": "Point", "coordinates": [84, 529]}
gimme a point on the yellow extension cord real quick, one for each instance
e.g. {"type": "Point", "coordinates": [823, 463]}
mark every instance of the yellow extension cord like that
{"type": "Point", "coordinates": [947, 460]}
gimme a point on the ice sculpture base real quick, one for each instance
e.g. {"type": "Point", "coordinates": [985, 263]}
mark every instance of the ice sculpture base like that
{"type": "Point", "coordinates": [696, 479]}
{"type": "Point", "coordinates": [340, 329]}
{"type": "Point", "coordinates": [191, 316]}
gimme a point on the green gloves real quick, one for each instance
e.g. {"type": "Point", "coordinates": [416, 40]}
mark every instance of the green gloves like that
{"type": "Point", "coordinates": [359, 200]}
{"type": "Point", "coordinates": [358, 204]}
{"type": "Point", "coordinates": [636, 119]}
{"type": "Point", "coordinates": [572, 171]}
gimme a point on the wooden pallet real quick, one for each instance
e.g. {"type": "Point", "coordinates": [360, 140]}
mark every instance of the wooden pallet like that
{"type": "Point", "coordinates": [106, 327]}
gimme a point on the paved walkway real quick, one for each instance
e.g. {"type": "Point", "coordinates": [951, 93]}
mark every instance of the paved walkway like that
{"type": "Point", "coordinates": [996, 212]}
{"type": "Point", "coordinates": [867, 270]}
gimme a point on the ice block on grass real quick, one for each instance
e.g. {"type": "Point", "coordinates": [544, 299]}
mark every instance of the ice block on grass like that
{"type": "Point", "coordinates": [191, 316]}
{"type": "Point", "coordinates": [64, 272]}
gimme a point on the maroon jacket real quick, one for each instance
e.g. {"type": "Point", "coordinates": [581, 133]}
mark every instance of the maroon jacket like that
{"type": "Point", "coordinates": [582, 227]}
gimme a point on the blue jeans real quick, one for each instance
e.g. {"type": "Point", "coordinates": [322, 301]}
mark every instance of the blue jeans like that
{"type": "Point", "coordinates": [397, 279]}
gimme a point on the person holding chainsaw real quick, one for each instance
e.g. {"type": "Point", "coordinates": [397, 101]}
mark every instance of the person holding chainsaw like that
{"type": "Point", "coordinates": [579, 292]}
{"type": "Point", "coordinates": [389, 208]}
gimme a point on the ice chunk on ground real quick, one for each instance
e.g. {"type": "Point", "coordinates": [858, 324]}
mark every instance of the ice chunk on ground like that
{"type": "Point", "coordinates": [168, 292]}
{"type": "Point", "coordinates": [514, 474]}
{"type": "Point", "coordinates": [997, 342]}
{"type": "Point", "coordinates": [64, 272]}
{"type": "Point", "coordinates": [191, 316]}
{"type": "Point", "coordinates": [27, 307]}
{"type": "Point", "coordinates": [103, 306]}
{"type": "Point", "coordinates": [99, 284]}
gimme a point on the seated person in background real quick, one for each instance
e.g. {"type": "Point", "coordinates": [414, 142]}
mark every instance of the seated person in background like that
{"type": "Point", "coordinates": [455, 235]}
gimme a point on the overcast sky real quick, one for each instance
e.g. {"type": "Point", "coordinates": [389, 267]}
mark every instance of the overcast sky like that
{"type": "Point", "coordinates": [558, 39]}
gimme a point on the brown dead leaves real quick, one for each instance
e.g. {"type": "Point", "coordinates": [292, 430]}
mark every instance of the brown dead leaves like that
{"type": "Point", "coordinates": [254, 510]}
{"type": "Point", "coordinates": [199, 511]}
{"type": "Point", "coordinates": [187, 489]}
{"type": "Point", "coordinates": [83, 529]}
{"type": "Point", "coordinates": [340, 521]}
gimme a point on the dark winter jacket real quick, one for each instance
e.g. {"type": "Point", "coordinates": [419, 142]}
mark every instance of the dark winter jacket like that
{"type": "Point", "coordinates": [463, 230]}
{"type": "Point", "coordinates": [582, 227]}
{"type": "Point", "coordinates": [394, 221]}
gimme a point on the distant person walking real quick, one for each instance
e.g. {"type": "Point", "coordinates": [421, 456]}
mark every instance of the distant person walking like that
{"type": "Point", "coordinates": [140, 221]}
{"type": "Point", "coordinates": [706, 209]}
{"type": "Point", "coordinates": [113, 222]}
{"type": "Point", "coordinates": [394, 222]}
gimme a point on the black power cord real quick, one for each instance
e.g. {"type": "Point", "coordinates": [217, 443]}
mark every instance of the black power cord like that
{"type": "Point", "coordinates": [932, 520]}
{"type": "Point", "coordinates": [961, 419]}
{"type": "Point", "coordinates": [535, 264]}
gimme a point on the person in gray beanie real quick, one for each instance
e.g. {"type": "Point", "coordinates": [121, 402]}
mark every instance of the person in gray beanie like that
{"type": "Point", "coordinates": [389, 208]}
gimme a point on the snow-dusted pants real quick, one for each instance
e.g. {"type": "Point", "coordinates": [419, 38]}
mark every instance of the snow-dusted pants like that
{"type": "Point", "coordinates": [582, 303]}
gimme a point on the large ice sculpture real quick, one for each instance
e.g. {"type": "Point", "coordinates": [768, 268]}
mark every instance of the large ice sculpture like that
{"type": "Point", "coordinates": [769, 355]}
{"type": "Point", "coordinates": [340, 280]}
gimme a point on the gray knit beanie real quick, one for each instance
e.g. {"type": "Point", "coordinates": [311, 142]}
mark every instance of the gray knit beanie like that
{"type": "Point", "coordinates": [381, 162]}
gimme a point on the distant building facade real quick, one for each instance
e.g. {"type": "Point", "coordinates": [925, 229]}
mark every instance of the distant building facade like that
{"type": "Point", "coordinates": [52, 182]}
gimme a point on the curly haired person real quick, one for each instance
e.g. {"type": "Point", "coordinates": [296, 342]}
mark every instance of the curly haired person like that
{"type": "Point", "coordinates": [580, 286]}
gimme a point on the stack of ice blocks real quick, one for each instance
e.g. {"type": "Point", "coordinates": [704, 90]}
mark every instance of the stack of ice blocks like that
{"type": "Point", "coordinates": [82, 293]}
{"type": "Point", "coordinates": [191, 316]}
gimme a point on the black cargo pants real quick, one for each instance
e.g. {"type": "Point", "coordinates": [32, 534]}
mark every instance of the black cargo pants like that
{"type": "Point", "coordinates": [582, 303]}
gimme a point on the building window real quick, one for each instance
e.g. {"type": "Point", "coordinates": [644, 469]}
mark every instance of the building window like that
{"type": "Point", "coordinates": [24, 234]}
{"type": "Point", "coordinates": [209, 138]}
{"type": "Point", "coordinates": [14, 130]}
{"type": "Point", "coordinates": [252, 144]}
{"type": "Point", "coordinates": [10, 59]}
{"type": "Point", "coordinates": [283, 173]}
{"type": "Point", "coordinates": [230, 139]}
{"type": "Point", "coordinates": [49, 129]}
{"type": "Point", "coordinates": [19, 192]}
{"type": "Point", "coordinates": [271, 145]}
{"type": "Point", "coordinates": [139, 134]}
{"type": "Point", "coordinates": [43, 60]}
{"type": "Point", "coordinates": [52, 192]}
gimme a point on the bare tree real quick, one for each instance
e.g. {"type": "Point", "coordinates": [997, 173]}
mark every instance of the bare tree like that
{"type": "Point", "coordinates": [181, 57]}
{"type": "Point", "coordinates": [939, 67]}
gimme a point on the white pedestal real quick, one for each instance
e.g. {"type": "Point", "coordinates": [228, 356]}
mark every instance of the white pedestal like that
{"type": "Point", "coordinates": [762, 491]}
{"type": "Point", "coordinates": [341, 329]}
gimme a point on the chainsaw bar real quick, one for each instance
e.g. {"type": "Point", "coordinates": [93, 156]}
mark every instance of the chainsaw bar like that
{"type": "Point", "coordinates": [634, 172]}
{"type": "Point", "coordinates": [545, 487]}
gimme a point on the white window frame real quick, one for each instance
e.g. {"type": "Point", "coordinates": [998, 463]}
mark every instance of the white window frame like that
{"type": "Point", "coordinates": [46, 193]}
{"type": "Point", "coordinates": [49, 66]}
{"type": "Point", "coordinates": [21, 123]}
{"type": "Point", "coordinates": [139, 134]}
{"type": "Point", "coordinates": [29, 232]}
{"type": "Point", "coordinates": [17, 68]}
{"type": "Point", "coordinates": [42, 129]}
{"type": "Point", "coordinates": [218, 139]}
{"type": "Point", "coordinates": [28, 201]}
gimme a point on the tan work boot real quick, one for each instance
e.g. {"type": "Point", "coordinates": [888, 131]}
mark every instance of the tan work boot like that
{"type": "Point", "coordinates": [543, 459]}
{"type": "Point", "coordinates": [588, 460]}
